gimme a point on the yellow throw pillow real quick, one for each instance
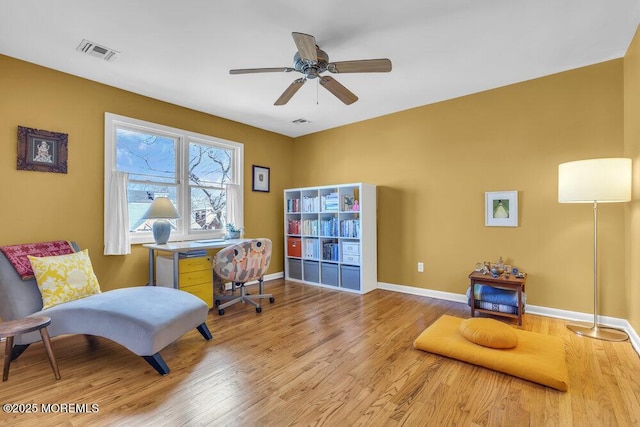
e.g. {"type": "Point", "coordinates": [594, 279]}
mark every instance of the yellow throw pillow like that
{"type": "Point", "coordinates": [489, 333]}
{"type": "Point", "coordinates": [64, 278]}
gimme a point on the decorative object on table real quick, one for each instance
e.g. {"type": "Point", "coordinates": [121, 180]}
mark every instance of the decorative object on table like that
{"type": "Point", "coordinates": [42, 150]}
{"type": "Point", "coordinates": [487, 267]}
{"type": "Point", "coordinates": [233, 232]}
{"type": "Point", "coordinates": [497, 268]}
{"type": "Point", "coordinates": [162, 210]}
{"type": "Point", "coordinates": [595, 181]}
{"type": "Point", "coordinates": [260, 178]}
{"type": "Point", "coordinates": [501, 209]}
{"type": "Point", "coordinates": [536, 357]}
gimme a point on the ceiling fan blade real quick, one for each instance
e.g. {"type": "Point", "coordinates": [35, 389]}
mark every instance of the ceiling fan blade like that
{"type": "Point", "coordinates": [262, 70]}
{"type": "Point", "coordinates": [362, 66]}
{"type": "Point", "coordinates": [341, 92]}
{"type": "Point", "coordinates": [306, 46]}
{"type": "Point", "coordinates": [290, 91]}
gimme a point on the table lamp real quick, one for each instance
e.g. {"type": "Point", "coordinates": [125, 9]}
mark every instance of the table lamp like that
{"type": "Point", "coordinates": [162, 210]}
{"type": "Point", "coordinates": [595, 181]}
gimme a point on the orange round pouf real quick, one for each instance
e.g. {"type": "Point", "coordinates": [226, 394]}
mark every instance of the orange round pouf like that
{"type": "Point", "coordinates": [488, 333]}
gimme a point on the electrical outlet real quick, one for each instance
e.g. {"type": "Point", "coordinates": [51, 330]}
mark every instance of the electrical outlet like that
{"type": "Point", "coordinates": [421, 267]}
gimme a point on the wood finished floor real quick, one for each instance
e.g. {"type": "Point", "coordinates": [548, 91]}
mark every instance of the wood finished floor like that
{"type": "Point", "coordinates": [320, 357]}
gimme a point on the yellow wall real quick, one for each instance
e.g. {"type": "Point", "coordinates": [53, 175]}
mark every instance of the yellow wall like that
{"type": "Point", "coordinates": [38, 206]}
{"type": "Point", "coordinates": [433, 165]}
{"type": "Point", "coordinates": [632, 150]}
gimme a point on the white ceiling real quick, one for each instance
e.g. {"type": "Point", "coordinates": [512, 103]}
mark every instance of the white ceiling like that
{"type": "Point", "coordinates": [181, 51]}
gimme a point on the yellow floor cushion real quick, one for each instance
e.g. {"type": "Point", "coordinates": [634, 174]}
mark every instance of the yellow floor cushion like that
{"type": "Point", "coordinates": [536, 357]}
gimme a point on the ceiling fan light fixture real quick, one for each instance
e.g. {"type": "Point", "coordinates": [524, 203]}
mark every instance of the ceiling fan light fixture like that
{"type": "Point", "coordinates": [311, 61]}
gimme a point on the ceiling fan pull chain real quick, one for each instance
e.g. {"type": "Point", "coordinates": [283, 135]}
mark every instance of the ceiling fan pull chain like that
{"type": "Point", "coordinates": [317, 91]}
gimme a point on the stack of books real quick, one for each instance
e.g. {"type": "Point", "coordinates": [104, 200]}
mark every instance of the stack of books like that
{"type": "Point", "coordinates": [329, 227]}
{"type": "Point", "coordinates": [310, 204]}
{"type": "Point", "coordinates": [310, 227]}
{"type": "Point", "coordinates": [311, 249]}
{"type": "Point", "coordinates": [293, 205]}
{"type": "Point", "coordinates": [294, 226]}
{"type": "Point", "coordinates": [350, 228]}
{"type": "Point", "coordinates": [330, 251]}
{"type": "Point", "coordinates": [330, 202]}
{"type": "Point", "coordinates": [193, 254]}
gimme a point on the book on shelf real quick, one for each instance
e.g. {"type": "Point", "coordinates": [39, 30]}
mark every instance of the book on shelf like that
{"type": "Point", "coordinates": [329, 202]}
{"type": "Point", "coordinates": [293, 226]}
{"type": "Point", "coordinates": [329, 227]}
{"type": "Point", "coordinates": [293, 205]}
{"type": "Point", "coordinates": [310, 204]}
{"type": "Point", "coordinates": [330, 251]}
{"type": "Point", "coordinates": [311, 249]}
{"type": "Point", "coordinates": [310, 227]}
{"type": "Point", "coordinates": [350, 228]}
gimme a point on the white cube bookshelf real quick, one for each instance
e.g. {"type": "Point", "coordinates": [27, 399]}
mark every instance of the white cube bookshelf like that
{"type": "Point", "coordinates": [330, 236]}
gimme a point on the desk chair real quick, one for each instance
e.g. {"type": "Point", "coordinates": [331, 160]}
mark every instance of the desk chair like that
{"type": "Point", "coordinates": [239, 264]}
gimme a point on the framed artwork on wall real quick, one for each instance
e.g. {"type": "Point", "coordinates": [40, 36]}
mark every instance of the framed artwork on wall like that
{"type": "Point", "coordinates": [42, 150]}
{"type": "Point", "coordinates": [260, 179]}
{"type": "Point", "coordinates": [501, 209]}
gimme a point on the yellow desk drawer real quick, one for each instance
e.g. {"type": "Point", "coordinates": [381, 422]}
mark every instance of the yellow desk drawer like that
{"type": "Point", "coordinates": [190, 271]}
{"type": "Point", "coordinates": [204, 291]}
{"type": "Point", "coordinates": [194, 264]}
{"type": "Point", "coordinates": [195, 277]}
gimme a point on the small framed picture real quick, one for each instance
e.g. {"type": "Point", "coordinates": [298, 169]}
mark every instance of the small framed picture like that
{"type": "Point", "coordinates": [42, 150]}
{"type": "Point", "coordinates": [260, 179]}
{"type": "Point", "coordinates": [501, 209]}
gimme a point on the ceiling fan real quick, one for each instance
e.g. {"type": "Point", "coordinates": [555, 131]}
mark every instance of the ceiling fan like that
{"type": "Point", "coordinates": [312, 61]}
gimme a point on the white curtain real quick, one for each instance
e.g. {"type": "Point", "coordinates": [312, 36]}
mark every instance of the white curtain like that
{"type": "Point", "coordinates": [116, 217]}
{"type": "Point", "coordinates": [235, 206]}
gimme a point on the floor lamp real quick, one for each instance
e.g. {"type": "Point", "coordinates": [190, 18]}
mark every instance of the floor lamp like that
{"type": "Point", "coordinates": [595, 181]}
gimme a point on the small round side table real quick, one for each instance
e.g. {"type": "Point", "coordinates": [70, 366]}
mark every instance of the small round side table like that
{"type": "Point", "coordinates": [12, 328]}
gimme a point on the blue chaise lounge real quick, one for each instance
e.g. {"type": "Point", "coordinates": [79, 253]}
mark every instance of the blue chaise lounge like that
{"type": "Point", "coordinates": [143, 319]}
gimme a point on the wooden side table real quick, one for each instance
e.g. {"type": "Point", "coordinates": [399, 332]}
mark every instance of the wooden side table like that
{"type": "Point", "coordinates": [21, 326]}
{"type": "Point", "coordinates": [505, 282]}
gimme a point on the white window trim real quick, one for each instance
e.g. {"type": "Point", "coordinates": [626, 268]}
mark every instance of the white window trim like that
{"type": "Point", "coordinates": [112, 121]}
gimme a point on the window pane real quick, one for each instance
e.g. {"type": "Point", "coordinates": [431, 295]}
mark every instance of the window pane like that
{"type": "Point", "coordinates": [145, 156]}
{"type": "Point", "coordinates": [139, 197]}
{"type": "Point", "coordinates": [209, 165]}
{"type": "Point", "coordinates": [202, 175]}
{"type": "Point", "coordinates": [208, 209]}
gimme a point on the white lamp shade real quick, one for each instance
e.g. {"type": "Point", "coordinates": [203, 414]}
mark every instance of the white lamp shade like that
{"type": "Point", "coordinates": [595, 180]}
{"type": "Point", "coordinates": [161, 208]}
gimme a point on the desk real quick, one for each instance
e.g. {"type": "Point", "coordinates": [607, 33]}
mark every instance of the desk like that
{"type": "Point", "coordinates": [177, 247]}
{"type": "Point", "coordinates": [510, 282]}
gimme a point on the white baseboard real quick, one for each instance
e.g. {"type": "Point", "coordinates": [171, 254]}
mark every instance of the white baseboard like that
{"type": "Point", "coordinates": [531, 309]}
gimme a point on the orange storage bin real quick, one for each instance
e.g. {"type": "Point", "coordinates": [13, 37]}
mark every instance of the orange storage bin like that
{"type": "Point", "coordinates": [294, 247]}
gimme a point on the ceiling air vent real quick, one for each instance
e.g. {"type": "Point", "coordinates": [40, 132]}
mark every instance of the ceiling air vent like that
{"type": "Point", "coordinates": [300, 121]}
{"type": "Point", "coordinates": [93, 49]}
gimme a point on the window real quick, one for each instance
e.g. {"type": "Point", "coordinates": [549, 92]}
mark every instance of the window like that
{"type": "Point", "coordinates": [201, 175]}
